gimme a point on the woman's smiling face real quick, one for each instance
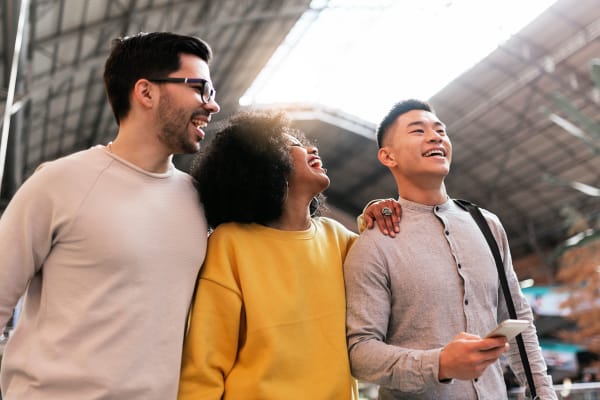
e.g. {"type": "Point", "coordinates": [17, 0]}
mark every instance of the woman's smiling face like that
{"type": "Point", "coordinates": [307, 168]}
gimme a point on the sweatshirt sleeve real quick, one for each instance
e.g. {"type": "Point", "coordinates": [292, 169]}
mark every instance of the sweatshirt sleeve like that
{"type": "Point", "coordinates": [211, 346]}
{"type": "Point", "coordinates": [27, 228]}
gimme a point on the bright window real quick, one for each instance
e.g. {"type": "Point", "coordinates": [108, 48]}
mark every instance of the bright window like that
{"type": "Point", "coordinates": [361, 56]}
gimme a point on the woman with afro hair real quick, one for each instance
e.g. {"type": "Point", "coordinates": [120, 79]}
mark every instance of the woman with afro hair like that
{"type": "Point", "coordinates": [268, 319]}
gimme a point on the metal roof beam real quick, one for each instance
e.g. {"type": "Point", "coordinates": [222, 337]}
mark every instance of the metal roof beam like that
{"type": "Point", "coordinates": [590, 33]}
{"type": "Point", "coordinates": [179, 6]}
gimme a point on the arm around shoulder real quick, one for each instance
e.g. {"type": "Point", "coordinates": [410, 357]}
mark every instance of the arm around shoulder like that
{"type": "Point", "coordinates": [383, 213]}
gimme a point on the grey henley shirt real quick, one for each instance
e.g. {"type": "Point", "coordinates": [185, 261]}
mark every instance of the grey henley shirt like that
{"type": "Point", "coordinates": [408, 296]}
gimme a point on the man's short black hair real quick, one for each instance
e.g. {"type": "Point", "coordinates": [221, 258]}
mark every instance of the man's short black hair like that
{"type": "Point", "coordinates": [145, 55]}
{"type": "Point", "coordinates": [397, 110]}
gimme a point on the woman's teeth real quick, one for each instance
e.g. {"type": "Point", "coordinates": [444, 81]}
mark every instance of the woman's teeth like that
{"type": "Point", "coordinates": [315, 163]}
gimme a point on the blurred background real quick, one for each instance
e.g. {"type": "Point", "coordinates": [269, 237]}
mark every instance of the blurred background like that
{"type": "Point", "coordinates": [517, 84]}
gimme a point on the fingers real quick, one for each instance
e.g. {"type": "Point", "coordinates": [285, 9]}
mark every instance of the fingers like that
{"type": "Point", "coordinates": [495, 341]}
{"type": "Point", "coordinates": [397, 214]}
{"type": "Point", "coordinates": [370, 220]}
{"type": "Point", "coordinates": [490, 356]}
{"type": "Point", "coordinates": [480, 344]}
{"type": "Point", "coordinates": [490, 344]}
{"type": "Point", "coordinates": [386, 215]}
{"type": "Point", "coordinates": [392, 221]}
{"type": "Point", "coordinates": [385, 225]}
{"type": "Point", "coordinates": [466, 336]}
{"type": "Point", "coordinates": [467, 356]}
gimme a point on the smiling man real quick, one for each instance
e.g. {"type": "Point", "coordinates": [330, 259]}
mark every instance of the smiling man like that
{"type": "Point", "coordinates": [105, 244]}
{"type": "Point", "coordinates": [419, 303]}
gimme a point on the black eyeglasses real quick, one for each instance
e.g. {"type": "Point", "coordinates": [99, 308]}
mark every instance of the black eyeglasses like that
{"type": "Point", "coordinates": [204, 87]}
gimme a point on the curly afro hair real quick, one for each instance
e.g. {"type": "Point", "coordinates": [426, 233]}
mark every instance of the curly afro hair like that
{"type": "Point", "coordinates": [242, 174]}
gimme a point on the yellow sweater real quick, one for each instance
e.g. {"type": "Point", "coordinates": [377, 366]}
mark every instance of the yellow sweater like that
{"type": "Point", "coordinates": [268, 321]}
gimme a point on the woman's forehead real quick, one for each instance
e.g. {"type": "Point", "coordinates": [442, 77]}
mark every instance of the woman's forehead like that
{"type": "Point", "coordinates": [293, 139]}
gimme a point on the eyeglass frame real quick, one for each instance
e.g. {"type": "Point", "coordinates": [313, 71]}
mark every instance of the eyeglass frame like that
{"type": "Point", "coordinates": [190, 81]}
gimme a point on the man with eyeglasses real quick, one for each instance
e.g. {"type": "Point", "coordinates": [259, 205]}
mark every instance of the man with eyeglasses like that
{"type": "Point", "coordinates": [106, 243]}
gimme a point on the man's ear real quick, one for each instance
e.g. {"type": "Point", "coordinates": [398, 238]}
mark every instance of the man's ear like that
{"type": "Point", "coordinates": [144, 93]}
{"type": "Point", "coordinates": [386, 157]}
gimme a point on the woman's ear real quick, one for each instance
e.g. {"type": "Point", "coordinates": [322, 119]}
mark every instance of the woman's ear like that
{"type": "Point", "coordinates": [386, 157]}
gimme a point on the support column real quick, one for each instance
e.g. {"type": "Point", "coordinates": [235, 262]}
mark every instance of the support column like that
{"type": "Point", "coordinates": [15, 39]}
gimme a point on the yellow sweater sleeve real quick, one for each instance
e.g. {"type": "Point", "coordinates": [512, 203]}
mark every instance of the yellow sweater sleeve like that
{"type": "Point", "coordinates": [211, 346]}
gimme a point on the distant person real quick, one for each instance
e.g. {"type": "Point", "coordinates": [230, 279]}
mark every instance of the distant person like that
{"type": "Point", "coordinates": [412, 299]}
{"type": "Point", "coordinates": [268, 320]}
{"type": "Point", "coordinates": [106, 243]}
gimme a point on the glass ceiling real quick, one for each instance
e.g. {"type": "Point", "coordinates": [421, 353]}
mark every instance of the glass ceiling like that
{"type": "Point", "coordinates": [361, 56]}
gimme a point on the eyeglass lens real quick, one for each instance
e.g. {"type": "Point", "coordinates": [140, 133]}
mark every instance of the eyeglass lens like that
{"type": "Point", "coordinates": [208, 92]}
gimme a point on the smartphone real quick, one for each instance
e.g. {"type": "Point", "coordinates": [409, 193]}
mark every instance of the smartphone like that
{"type": "Point", "coordinates": [509, 328]}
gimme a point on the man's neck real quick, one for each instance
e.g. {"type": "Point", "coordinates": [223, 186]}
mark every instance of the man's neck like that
{"type": "Point", "coordinates": [427, 195]}
{"type": "Point", "coordinates": [148, 154]}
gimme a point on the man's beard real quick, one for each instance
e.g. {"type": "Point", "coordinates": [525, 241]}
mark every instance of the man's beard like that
{"type": "Point", "coordinates": [175, 132]}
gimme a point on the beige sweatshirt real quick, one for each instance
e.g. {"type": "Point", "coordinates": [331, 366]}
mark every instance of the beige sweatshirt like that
{"type": "Point", "coordinates": [107, 255]}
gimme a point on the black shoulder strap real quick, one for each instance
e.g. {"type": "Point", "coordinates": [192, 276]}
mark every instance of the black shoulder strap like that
{"type": "Point", "coordinates": [475, 212]}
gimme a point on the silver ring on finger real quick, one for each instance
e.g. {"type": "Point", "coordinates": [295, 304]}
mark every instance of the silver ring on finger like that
{"type": "Point", "coordinates": [386, 212]}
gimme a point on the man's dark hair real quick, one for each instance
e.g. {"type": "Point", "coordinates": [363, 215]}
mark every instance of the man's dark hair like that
{"type": "Point", "coordinates": [242, 175]}
{"type": "Point", "coordinates": [397, 110]}
{"type": "Point", "coordinates": [145, 55]}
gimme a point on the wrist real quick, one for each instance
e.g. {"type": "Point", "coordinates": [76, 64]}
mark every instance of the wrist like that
{"type": "Point", "coordinates": [443, 374]}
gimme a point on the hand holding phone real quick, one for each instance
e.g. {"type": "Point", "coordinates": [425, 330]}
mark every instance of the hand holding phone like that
{"type": "Point", "coordinates": [509, 328]}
